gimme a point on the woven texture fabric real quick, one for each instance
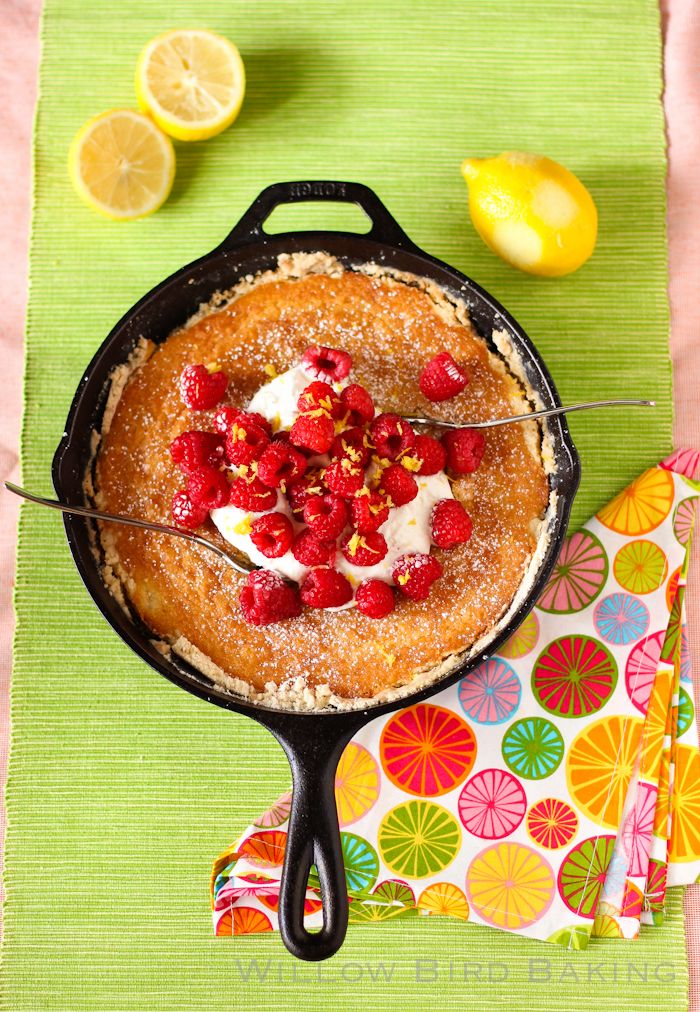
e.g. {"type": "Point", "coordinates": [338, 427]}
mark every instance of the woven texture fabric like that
{"type": "Point", "coordinates": [119, 789]}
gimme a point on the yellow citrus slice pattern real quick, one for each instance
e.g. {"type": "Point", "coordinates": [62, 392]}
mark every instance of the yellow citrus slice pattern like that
{"type": "Point", "coordinates": [642, 506]}
{"type": "Point", "coordinates": [510, 885]}
{"type": "Point", "coordinates": [685, 805]}
{"type": "Point", "coordinates": [599, 767]}
{"type": "Point", "coordinates": [444, 898]}
{"type": "Point", "coordinates": [356, 783]}
{"type": "Point", "coordinates": [640, 567]}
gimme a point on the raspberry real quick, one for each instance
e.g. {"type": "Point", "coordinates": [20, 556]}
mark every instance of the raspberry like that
{"type": "Point", "coordinates": [321, 396]}
{"type": "Point", "coordinates": [369, 512]}
{"type": "Point", "coordinates": [326, 588]}
{"type": "Point", "coordinates": [202, 386]}
{"type": "Point", "coordinates": [364, 550]}
{"type": "Point", "coordinates": [281, 436]}
{"type": "Point", "coordinates": [344, 478]}
{"type": "Point", "coordinates": [197, 449]}
{"type": "Point", "coordinates": [374, 598]}
{"type": "Point", "coordinates": [272, 535]}
{"type": "Point", "coordinates": [308, 486]}
{"type": "Point", "coordinates": [311, 551]}
{"type": "Point", "coordinates": [357, 405]}
{"type": "Point", "coordinates": [281, 465]}
{"type": "Point", "coordinates": [415, 574]}
{"type": "Point", "coordinates": [327, 364]}
{"type": "Point", "coordinates": [313, 431]}
{"type": "Point", "coordinates": [442, 378]}
{"type": "Point", "coordinates": [251, 495]}
{"type": "Point", "coordinates": [224, 417]}
{"type": "Point", "coordinates": [465, 448]}
{"type": "Point", "coordinates": [326, 515]}
{"type": "Point", "coordinates": [267, 598]}
{"type": "Point", "coordinates": [245, 442]}
{"type": "Point", "coordinates": [391, 436]}
{"type": "Point", "coordinates": [398, 484]}
{"type": "Point", "coordinates": [208, 487]}
{"type": "Point", "coordinates": [254, 418]}
{"type": "Point", "coordinates": [353, 444]}
{"type": "Point", "coordinates": [431, 453]}
{"type": "Point", "coordinates": [450, 523]}
{"type": "Point", "coordinates": [186, 513]}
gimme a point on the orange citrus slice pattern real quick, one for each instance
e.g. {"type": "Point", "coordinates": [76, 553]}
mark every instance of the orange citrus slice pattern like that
{"type": "Point", "coordinates": [266, 850]}
{"type": "Point", "coordinates": [444, 898]}
{"type": "Point", "coordinates": [356, 783]}
{"type": "Point", "coordinates": [599, 767]}
{"type": "Point", "coordinates": [642, 506]}
{"type": "Point", "coordinates": [685, 805]}
{"type": "Point", "coordinates": [510, 885]}
{"type": "Point", "coordinates": [427, 750]}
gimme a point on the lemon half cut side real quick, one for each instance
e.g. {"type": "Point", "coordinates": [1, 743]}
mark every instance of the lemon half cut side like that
{"type": "Point", "coordinates": [121, 164]}
{"type": "Point", "coordinates": [192, 82]}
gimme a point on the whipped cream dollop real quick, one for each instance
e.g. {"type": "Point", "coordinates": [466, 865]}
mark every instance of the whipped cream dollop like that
{"type": "Point", "coordinates": [406, 530]}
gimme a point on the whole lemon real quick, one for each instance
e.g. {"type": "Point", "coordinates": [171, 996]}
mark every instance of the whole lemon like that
{"type": "Point", "coordinates": [532, 212]}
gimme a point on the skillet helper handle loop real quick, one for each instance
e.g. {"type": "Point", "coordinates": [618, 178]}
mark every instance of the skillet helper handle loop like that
{"type": "Point", "coordinates": [313, 837]}
{"type": "Point", "coordinates": [384, 229]}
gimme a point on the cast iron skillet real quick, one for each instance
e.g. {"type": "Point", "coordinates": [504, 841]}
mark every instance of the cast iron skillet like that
{"type": "Point", "coordinates": [313, 742]}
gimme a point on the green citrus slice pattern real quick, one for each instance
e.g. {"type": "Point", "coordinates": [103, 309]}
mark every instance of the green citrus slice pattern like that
{"type": "Point", "coordinates": [393, 890]}
{"type": "Point", "coordinates": [427, 750]}
{"type": "Point", "coordinates": [532, 748]}
{"type": "Point", "coordinates": [578, 577]}
{"type": "Point", "coordinates": [510, 885]}
{"type": "Point", "coordinates": [572, 938]}
{"type": "Point", "coordinates": [672, 640]}
{"type": "Point", "coordinates": [599, 766]}
{"type": "Point", "coordinates": [366, 912]}
{"type": "Point", "coordinates": [523, 639]}
{"type": "Point", "coordinates": [582, 874]}
{"type": "Point", "coordinates": [640, 566]}
{"type": "Point", "coordinates": [686, 711]}
{"type": "Point", "coordinates": [574, 676]}
{"type": "Point", "coordinates": [418, 838]}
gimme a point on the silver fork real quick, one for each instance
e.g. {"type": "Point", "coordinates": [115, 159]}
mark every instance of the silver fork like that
{"type": "Point", "coordinates": [545, 413]}
{"type": "Point", "coordinates": [147, 525]}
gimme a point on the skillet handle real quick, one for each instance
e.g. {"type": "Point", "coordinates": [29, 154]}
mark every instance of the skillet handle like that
{"type": "Point", "coordinates": [384, 229]}
{"type": "Point", "coordinates": [313, 837]}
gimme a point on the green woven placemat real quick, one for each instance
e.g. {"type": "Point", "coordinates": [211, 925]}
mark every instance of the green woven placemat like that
{"type": "Point", "coordinates": [120, 791]}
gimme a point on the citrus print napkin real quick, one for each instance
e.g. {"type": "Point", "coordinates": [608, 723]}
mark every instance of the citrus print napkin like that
{"type": "Point", "coordinates": [555, 790]}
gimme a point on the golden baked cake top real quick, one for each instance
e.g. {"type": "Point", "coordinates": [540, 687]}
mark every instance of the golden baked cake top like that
{"type": "Point", "coordinates": [273, 421]}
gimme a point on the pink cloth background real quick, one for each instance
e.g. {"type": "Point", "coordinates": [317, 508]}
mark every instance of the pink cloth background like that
{"type": "Point", "coordinates": [19, 52]}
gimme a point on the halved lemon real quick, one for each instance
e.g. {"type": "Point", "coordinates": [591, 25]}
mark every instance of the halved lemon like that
{"type": "Point", "coordinates": [532, 211]}
{"type": "Point", "coordinates": [192, 82]}
{"type": "Point", "coordinates": [122, 164]}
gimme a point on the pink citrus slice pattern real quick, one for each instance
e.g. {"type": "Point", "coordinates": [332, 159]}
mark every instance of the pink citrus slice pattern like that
{"type": "Point", "coordinates": [446, 899]}
{"type": "Point", "coordinates": [684, 461]}
{"type": "Point", "coordinates": [640, 566]}
{"type": "Point", "coordinates": [620, 619]}
{"type": "Point", "coordinates": [491, 693]}
{"type": "Point", "coordinates": [523, 639]}
{"type": "Point", "coordinates": [276, 814]}
{"type": "Point", "coordinates": [632, 901]}
{"type": "Point", "coordinates": [672, 587]}
{"type": "Point", "coordinates": [684, 519]}
{"type": "Point", "coordinates": [686, 660]}
{"type": "Point", "coordinates": [427, 750]}
{"type": "Point", "coordinates": [655, 888]}
{"type": "Point", "coordinates": [574, 676]}
{"type": "Point", "coordinates": [638, 828]}
{"type": "Point", "coordinates": [492, 804]}
{"type": "Point", "coordinates": [642, 506]}
{"type": "Point", "coordinates": [356, 783]}
{"type": "Point", "coordinates": [551, 823]}
{"type": "Point", "coordinates": [642, 666]}
{"type": "Point", "coordinates": [510, 885]}
{"type": "Point", "coordinates": [578, 577]}
{"type": "Point", "coordinates": [582, 874]}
